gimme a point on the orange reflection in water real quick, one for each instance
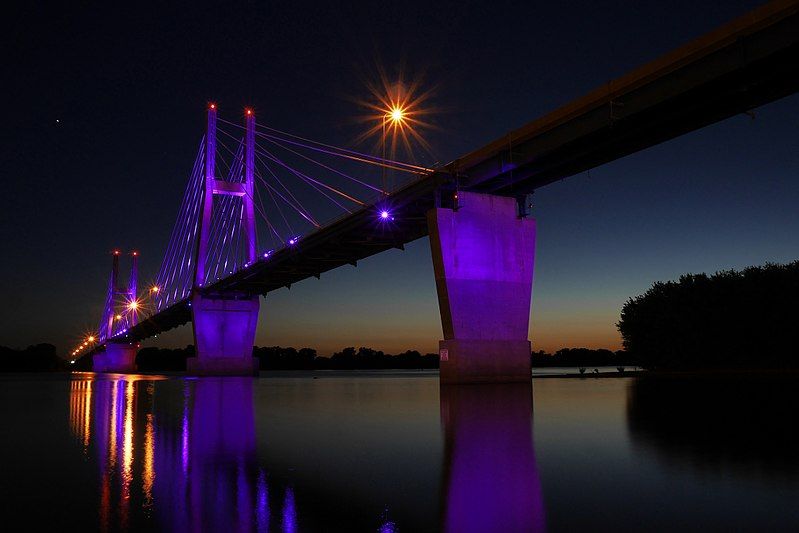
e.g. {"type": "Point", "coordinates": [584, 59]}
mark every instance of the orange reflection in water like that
{"type": "Point", "coordinates": [103, 409]}
{"type": "Point", "coordinates": [148, 475]}
{"type": "Point", "coordinates": [87, 415]}
{"type": "Point", "coordinates": [127, 454]}
{"type": "Point", "coordinates": [74, 398]}
{"type": "Point", "coordinates": [112, 426]}
{"type": "Point", "coordinates": [177, 473]}
{"type": "Point", "coordinates": [80, 411]}
{"type": "Point", "coordinates": [127, 444]}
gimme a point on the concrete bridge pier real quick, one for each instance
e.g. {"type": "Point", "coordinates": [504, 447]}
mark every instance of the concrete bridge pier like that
{"type": "Point", "coordinates": [224, 334]}
{"type": "Point", "coordinates": [483, 254]}
{"type": "Point", "coordinates": [118, 357]}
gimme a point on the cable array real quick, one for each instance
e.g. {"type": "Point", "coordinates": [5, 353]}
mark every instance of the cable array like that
{"type": "Point", "coordinates": [176, 274]}
{"type": "Point", "coordinates": [299, 186]}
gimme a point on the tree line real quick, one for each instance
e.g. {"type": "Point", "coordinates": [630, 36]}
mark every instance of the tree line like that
{"type": "Point", "coordinates": [582, 357]}
{"type": "Point", "coordinates": [731, 319]}
{"type": "Point", "coordinates": [290, 358]}
{"type": "Point", "coordinates": [35, 358]}
{"type": "Point", "coordinates": [364, 358]}
{"type": "Point", "coordinates": [42, 358]}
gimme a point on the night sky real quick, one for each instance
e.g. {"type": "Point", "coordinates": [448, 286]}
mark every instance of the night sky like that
{"type": "Point", "coordinates": [104, 109]}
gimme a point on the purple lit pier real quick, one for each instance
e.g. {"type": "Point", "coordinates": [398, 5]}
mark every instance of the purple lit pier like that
{"type": "Point", "coordinates": [483, 261]}
{"type": "Point", "coordinates": [117, 357]}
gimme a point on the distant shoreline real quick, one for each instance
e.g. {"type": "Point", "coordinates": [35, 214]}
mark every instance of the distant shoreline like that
{"type": "Point", "coordinates": [605, 372]}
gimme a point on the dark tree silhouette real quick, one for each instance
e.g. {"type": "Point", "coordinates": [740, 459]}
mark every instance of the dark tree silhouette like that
{"type": "Point", "coordinates": [581, 357]}
{"type": "Point", "coordinates": [36, 358]}
{"type": "Point", "coordinates": [279, 358]}
{"type": "Point", "coordinates": [154, 359]}
{"type": "Point", "coordinates": [733, 319]}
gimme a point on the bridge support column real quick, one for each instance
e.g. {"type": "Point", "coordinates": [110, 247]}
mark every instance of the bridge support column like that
{"type": "Point", "coordinates": [224, 333]}
{"type": "Point", "coordinates": [483, 261]}
{"type": "Point", "coordinates": [117, 358]}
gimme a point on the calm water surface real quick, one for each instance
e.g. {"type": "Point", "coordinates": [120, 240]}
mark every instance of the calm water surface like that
{"type": "Point", "coordinates": [395, 452]}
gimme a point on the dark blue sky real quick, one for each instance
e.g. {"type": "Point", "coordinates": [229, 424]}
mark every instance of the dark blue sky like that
{"type": "Point", "coordinates": [128, 90]}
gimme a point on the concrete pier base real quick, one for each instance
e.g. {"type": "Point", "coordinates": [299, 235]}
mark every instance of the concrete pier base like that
{"type": "Point", "coordinates": [117, 358]}
{"type": "Point", "coordinates": [483, 261]}
{"type": "Point", "coordinates": [224, 333]}
{"type": "Point", "coordinates": [484, 361]}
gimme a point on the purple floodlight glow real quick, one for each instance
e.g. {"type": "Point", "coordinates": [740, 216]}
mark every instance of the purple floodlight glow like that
{"type": "Point", "coordinates": [293, 240]}
{"type": "Point", "coordinates": [384, 215]}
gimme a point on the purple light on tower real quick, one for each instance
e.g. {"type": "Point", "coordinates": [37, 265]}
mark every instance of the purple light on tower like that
{"type": "Point", "coordinates": [207, 202]}
{"type": "Point", "coordinates": [249, 168]}
{"type": "Point", "coordinates": [133, 293]}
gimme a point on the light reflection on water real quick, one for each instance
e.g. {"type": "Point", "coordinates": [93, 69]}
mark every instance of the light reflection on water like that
{"type": "Point", "coordinates": [396, 452]}
{"type": "Point", "coordinates": [491, 476]}
{"type": "Point", "coordinates": [204, 473]}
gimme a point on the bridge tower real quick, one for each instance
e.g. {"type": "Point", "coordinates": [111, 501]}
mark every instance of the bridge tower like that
{"type": "Point", "coordinates": [118, 356]}
{"type": "Point", "coordinates": [133, 294]}
{"type": "Point", "coordinates": [483, 250]}
{"type": "Point", "coordinates": [224, 322]}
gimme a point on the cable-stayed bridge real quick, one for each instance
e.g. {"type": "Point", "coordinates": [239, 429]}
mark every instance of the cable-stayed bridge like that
{"type": "Point", "coordinates": [264, 209]}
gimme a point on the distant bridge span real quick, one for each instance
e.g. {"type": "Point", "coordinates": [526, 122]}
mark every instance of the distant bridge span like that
{"type": "Point", "coordinates": [749, 62]}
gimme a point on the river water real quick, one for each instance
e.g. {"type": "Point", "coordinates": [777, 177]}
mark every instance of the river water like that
{"type": "Point", "coordinates": [394, 451]}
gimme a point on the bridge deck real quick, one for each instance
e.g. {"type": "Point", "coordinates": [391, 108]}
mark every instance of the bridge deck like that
{"type": "Point", "coordinates": [343, 242]}
{"type": "Point", "coordinates": [749, 62]}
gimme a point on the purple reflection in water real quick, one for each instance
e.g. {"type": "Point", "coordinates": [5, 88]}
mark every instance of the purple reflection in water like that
{"type": "Point", "coordinates": [196, 471]}
{"type": "Point", "coordinates": [289, 512]}
{"type": "Point", "coordinates": [184, 453]}
{"type": "Point", "coordinates": [387, 526]}
{"type": "Point", "coordinates": [222, 452]}
{"type": "Point", "coordinates": [262, 503]}
{"type": "Point", "coordinates": [491, 481]}
{"type": "Point", "coordinates": [207, 468]}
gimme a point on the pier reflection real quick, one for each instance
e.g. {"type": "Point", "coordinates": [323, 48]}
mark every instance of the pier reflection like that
{"type": "Point", "coordinates": [490, 476]}
{"type": "Point", "coordinates": [198, 472]}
